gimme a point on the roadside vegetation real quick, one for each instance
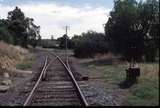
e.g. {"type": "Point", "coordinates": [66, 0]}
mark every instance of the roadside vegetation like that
{"type": "Point", "coordinates": [89, 44]}
{"type": "Point", "coordinates": [146, 91]}
{"type": "Point", "coordinates": [27, 63]}
{"type": "Point", "coordinates": [143, 93]}
{"type": "Point", "coordinates": [132, 31]}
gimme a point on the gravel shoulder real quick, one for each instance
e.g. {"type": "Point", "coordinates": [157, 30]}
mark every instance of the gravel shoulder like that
{"type": "Point", "coordinates": [101, 92]}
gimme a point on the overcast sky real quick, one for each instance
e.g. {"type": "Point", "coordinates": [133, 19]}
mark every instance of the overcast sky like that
{"type": "Point", "coordinates": [53, 15]}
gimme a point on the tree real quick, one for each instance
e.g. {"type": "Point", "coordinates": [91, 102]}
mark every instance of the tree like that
{"type": "Point", "coordinates": [88, 44]}
{"type": "Point", "coordinates": [128, 26]}
{"type": "Point", "coordinates": [33, 32]}
{"type": "Point", "coordinates": [5, 35]}
{"type": "Point", "coordinates": [149, 16]}
{"type": "Point", "coordinates": [18, 25]}
{"type": "Point", "coordinates": [62, 41]}
{"type": "Point", "coordinates": [22, 28]}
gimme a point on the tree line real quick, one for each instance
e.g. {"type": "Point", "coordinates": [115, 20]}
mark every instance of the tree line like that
{"type": "Point", "coordinates": [85, 45]}
{"type": "Point", "coordinates": [132, 30]}
{"type": "Point", "coordinates": [19, 30]}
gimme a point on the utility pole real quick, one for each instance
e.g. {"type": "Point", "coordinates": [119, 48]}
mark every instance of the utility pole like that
{"type": "Point", "coordinates": [66, 29]}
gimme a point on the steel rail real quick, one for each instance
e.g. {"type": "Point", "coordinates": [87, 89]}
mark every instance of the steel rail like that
{"type": "Point", "coordinates": [28, 100]}
{"type": "Point", "coordinates": [44, 73]}
{"type": "Point", "coordinates": [81, 96]}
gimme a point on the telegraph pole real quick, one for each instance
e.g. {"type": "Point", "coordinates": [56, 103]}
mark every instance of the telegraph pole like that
{"type": "Point", "coordinates": [66, 29]}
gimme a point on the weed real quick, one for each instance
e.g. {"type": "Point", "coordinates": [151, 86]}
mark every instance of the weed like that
{"type": "Point", "coordinates": [24, 66]}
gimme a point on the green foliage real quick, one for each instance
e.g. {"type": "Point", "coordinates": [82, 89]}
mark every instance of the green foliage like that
{"type": "Point", "coordinates": [131, 26]}
{"type": "Point", "coordinates": [33, 33]}
{"type": "Point", "coordinates": [62, 42]}
{"type": "Point", "coordinates": [17, 24]}
{"type": "Point", "coordinates": [88, 44]}
{"type": "Point", "coordinates": [144, 93]}
{"type": "Point", "coordinates": [19, 30]}
{"type": "Point", "coordinates": [135, 101]}
{"type": "Point", "coordinates": [24, 66]}
{"type": "Point", "coordinates": [111, 73]}
{"type": "Point", "coordinates": [27, 63]}
{"type": "Point", "coordinates": [5, 35]}
{"type": "Point", "coordinates": [150, 52]}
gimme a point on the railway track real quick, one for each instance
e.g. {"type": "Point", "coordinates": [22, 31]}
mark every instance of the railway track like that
{"type": "Point", "coordinates": [56, 86]}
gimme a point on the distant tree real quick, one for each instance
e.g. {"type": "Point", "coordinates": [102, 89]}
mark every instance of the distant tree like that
{"type": "Point", "coordinates": [88, 44]}
{"type": "Point", "coordinates": [62, 41]}
{"type": "Point", "coordinates": [39, 41]}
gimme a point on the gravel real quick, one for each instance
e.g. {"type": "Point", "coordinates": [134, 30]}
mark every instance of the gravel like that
{"type": "Point", "coordinates": [96, 93]}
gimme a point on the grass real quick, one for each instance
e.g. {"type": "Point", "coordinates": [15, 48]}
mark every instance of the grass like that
{"type": "Point", "coordinates": [27, 63]}
{"type": "Point", "coordinates": [24, 66]}
{"type": "Point", "coordinates": [146, 92]}
{"type": "Point", "coordinates": [143, 96]}
{"type": "Point", "coordinates": [114, 73]}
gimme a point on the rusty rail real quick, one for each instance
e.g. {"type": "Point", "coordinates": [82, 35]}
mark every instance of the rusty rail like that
{"type": "Point", "coordinates": [81, 96]}
{"type": "Point", "coordinates": [42, 77]}
{"type": "Point", "coordinates": [44, 73]}
{"type": "Point", "coordinates": [28, 100]}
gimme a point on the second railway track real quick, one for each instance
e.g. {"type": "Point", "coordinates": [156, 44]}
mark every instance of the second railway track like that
{"type": "Point", "coordinates": [56, 86]}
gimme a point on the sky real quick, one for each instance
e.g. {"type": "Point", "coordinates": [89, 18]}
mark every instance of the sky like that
{"type": "Point", "coordinates": [53, 15]}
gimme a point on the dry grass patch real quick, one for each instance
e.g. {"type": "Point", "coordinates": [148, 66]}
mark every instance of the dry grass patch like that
{"type": "Point", "coordinates": [10, 55]}
{"type": "Point", "coordinates": [27, 63]}
{"type": "Point", "coordinates": [146, 92]}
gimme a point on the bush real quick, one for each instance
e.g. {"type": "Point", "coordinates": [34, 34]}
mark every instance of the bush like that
{"type": "Point", "coordinates": [150, 54]}
{"type": "Point", "coordinates": [84, 50]}
{"type": "Point", "coordinates": [89, 44]}
{"type": "Point", "coordinates": [5, 35]}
